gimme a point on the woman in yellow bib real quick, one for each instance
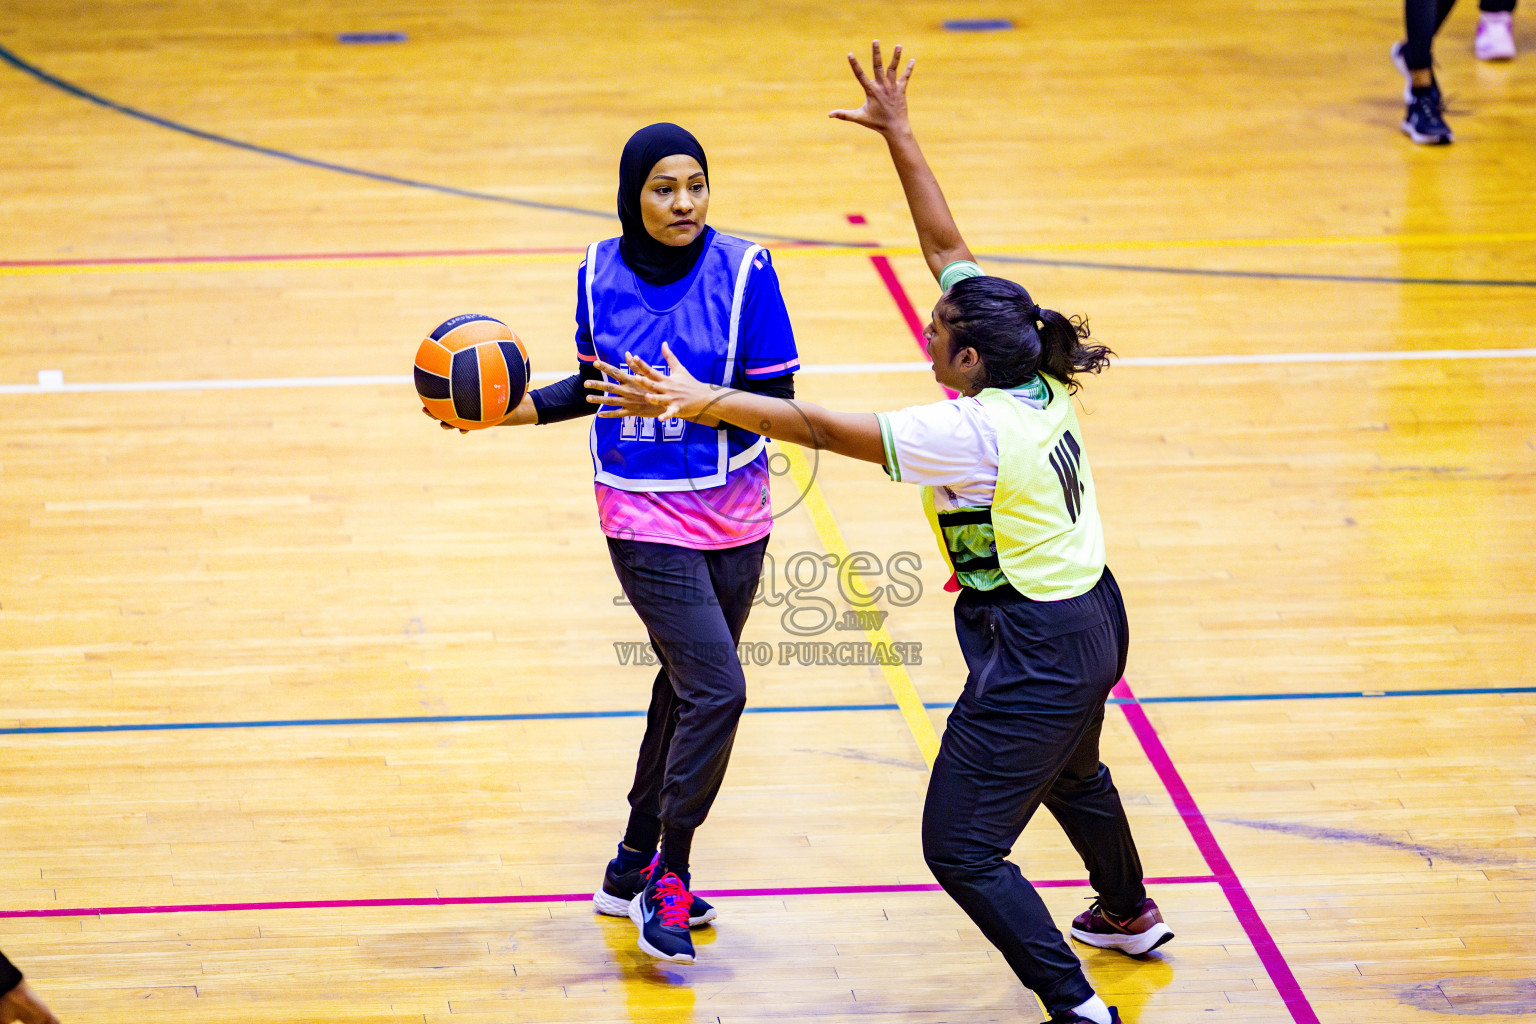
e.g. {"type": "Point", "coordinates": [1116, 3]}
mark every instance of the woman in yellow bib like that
{"type": "Point", "coordinates": [1008, 491]}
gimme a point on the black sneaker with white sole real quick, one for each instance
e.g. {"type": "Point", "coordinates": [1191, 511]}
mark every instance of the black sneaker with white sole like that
{"type": "Point", "coordinates": [1424, 121]}
{"type": "Point", "coordinates": [620, 887]}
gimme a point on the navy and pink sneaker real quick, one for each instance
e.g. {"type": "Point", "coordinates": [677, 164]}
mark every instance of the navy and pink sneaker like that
{"type": "Point", "coordinates": [620, 887]}
{"type": "Point", "coordinates": [661, 912]}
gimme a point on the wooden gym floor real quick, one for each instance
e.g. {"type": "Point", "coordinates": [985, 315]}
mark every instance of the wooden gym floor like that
{"type": "Point", "coordinates": [312, 712]}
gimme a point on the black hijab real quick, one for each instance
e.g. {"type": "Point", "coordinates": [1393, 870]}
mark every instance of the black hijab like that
{"type": "Point", "coordinates": [652, 261]}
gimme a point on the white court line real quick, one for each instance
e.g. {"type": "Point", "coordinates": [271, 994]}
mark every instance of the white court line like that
{"type": "Point", "coordinates": [56, 384]}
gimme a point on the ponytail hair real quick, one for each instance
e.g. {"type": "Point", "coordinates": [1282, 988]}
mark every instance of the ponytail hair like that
{"type": "Point", "coordinates": [1015, 338]}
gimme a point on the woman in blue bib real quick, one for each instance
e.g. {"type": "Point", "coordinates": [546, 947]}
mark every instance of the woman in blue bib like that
{"type": "Point", "coordinates": [1040, 620]}
{"type": "Point", "coordinates": [684, 504]}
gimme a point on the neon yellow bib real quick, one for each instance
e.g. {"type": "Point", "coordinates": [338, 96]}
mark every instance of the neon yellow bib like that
{"type": "Point", "coordinates": [1042, 533]}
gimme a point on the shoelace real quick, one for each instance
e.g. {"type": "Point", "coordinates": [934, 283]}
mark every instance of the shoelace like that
{"type": "Point", "coordinates": [674, 900]}
{"type": "Point", "coordinates": [1431, 104]}
{"type": "Point", "coordinates": [1114, 922]}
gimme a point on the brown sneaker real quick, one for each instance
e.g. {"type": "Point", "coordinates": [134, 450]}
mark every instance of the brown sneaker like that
{"type": "Point", "coordinates": [1139, 933]}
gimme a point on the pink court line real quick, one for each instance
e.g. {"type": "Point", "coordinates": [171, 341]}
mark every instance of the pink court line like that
{"type": "Point", "coordinates": [903, 304]}
{"type": "Point", "coordinates": [1264, 946]}
{"type": "Point", "coordinates": [1253, 925]}
{"type": "Point", "coordinates": [565, 897]}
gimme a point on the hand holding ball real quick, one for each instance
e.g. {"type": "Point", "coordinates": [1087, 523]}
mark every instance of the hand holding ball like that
{"type": "Point", "coordinates": [471, 372]}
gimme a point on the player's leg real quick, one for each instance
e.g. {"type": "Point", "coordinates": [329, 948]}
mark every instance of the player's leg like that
{"type": "Point", "coordinates": [1423, 120]}
{"type": "Point", "coordinates": [661, 582]}
{"type": "Point", "coordinates": [1023, 712]}
{"type": "Point", "coordinates": [675, 592]}
{"type": "Point", "coordinates": [712, 691]}
{"type": "Point", "coordinates": [1083, 799]}
{"type": "Point", "coordinates": [630, 868]}
{"type": "Point", "coordinates": [1086, 804]}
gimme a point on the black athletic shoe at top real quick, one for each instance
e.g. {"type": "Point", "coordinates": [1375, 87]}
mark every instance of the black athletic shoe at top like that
{"type": "Point", "coordinates": [620, 887]}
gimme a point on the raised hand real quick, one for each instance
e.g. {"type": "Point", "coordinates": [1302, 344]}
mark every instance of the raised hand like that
{"type": "Point", "coordinates": [885, 93]}
{"type": "Point", "coordinates": [21, 1005]}
{"type": "Point", "coordinates": [646, 391]}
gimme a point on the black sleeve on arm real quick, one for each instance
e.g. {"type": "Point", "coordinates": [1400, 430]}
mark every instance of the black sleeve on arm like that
{"type": "Point", "coordinates": [10, 976]}
{"type": "Point", "coordinates": [774, 387]}
{"type": "Point", "coordinates": [566, 399]}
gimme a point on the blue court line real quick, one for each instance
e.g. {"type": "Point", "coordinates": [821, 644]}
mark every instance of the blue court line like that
{"type": "Point", "coordinates": [1263, 275]}
{"type": "Point", "coordinates": [224, 140]}
{"type": "Point", "coordinates": [366, 38]}
{"type": "Point", "coordinates": [325, 165]}
{"type": "Point", "coordinates": [85, 94]}
{"type": "Point", "coordinates": [782, 709]}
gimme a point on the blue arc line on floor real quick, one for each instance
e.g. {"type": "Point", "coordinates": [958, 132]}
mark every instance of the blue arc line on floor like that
{"type": "Point", "coordinates": [781, 709]}
{"type": "Point", "coordinates": [325, 165]}
{"type": "Point", "coordinates": [1262, 275]}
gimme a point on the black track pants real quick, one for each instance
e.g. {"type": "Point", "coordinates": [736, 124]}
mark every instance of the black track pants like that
{"type": "Point", "coordinates": [1026, 731]}
{"type": "Point", "coordinates": [694, 605]}
{"type": "Point", "coordinates": [1422, 20]}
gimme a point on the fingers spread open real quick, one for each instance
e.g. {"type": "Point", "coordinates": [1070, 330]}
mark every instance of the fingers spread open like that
{"type": "Point", "coordinates": [605, 385]}
{"type": "Point", "coordinates": [858, 72]}
{"type": "Point", "coordinates": [672, 361]}
{"type": "Point", "coordinates": [611, 370]}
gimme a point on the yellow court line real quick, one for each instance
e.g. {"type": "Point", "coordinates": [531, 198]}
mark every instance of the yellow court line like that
{"type": "Point", "coordinates": [460, 259]}
{"type": "Point", "coordinates": [831, 535]}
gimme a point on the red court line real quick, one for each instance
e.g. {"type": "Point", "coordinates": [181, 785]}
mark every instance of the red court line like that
{"type": "Point", "coordinates": [899, 294]}
{"type": "Point", "coordinates": [564, 897]}
{"type": "Point", "coordinates": [903, 304]}
{"type": "Point", "coordinates": [1253, 925]}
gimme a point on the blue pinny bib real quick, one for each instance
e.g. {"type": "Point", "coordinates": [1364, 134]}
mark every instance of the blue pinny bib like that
{"type": "Point", "coordinates": [636, 453]}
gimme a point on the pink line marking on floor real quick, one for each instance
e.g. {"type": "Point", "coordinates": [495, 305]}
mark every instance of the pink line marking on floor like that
{"type": "Point", "coordinates": [1184, 802]}
{"type": "Point", "coordinates": [564, 897]}
{"type": "Point", "coordinates": [904, 305]}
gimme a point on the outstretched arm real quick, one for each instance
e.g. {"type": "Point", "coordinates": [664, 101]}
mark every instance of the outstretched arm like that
{"type": "Point", "coordinates": [885, 111]}
{"type": "Point", "coordinates": [21, 1005]}
{"type": "Point", "coordinates": [646, 391]}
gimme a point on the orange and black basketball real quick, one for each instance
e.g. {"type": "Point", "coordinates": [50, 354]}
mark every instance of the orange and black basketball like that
{"type": "Point", "coordinates": [472, 371]}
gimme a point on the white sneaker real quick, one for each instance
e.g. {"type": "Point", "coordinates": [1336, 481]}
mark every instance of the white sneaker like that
{"type": "Point", "coordinates": [1495, 36]}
